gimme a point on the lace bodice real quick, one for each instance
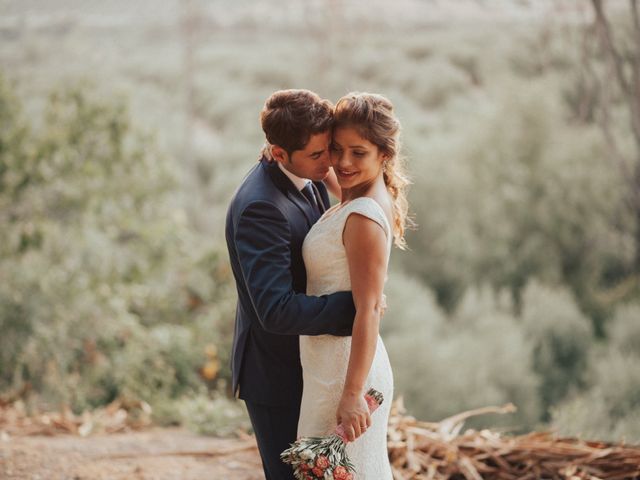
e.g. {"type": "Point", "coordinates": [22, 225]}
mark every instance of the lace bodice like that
{"type": "Point", "coordinates": [324, 254]}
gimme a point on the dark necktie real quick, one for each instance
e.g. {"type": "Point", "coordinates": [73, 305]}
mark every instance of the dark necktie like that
{"type": "Point", "coordinates": [308, 192]}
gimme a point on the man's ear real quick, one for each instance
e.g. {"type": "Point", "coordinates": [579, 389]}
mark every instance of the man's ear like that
{"type": "Point", "coordinates": [279, 154]}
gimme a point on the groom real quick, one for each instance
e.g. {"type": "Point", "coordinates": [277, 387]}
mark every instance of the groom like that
{"type": "Point", "coordinates": [269, 216]}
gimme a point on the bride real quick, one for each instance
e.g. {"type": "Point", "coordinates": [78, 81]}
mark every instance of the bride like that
{"type": "Point", "coordinates": [348, 249]}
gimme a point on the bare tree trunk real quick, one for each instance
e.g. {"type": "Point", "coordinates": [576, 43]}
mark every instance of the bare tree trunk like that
{"type": "Point", "coordinates": [629, 88]}
{"type": "Point", "coordinates": [187, 30]}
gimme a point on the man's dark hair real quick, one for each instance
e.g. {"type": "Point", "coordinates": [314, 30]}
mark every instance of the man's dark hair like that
{"type": "Point", "coordinates": [290, 117]}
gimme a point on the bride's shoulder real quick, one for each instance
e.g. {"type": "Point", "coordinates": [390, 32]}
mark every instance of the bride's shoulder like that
{"type": "Point", "coordinates": [368, 207]}
{"type": "Point", "coordinates": [370, 204]}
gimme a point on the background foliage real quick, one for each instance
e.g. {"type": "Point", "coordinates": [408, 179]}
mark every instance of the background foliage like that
{"type": "Point", "coordinates": [123, 136]}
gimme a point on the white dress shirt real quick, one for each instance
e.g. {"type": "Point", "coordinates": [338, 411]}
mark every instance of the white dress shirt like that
{"type": "Point", "coordinates": [300, 183]}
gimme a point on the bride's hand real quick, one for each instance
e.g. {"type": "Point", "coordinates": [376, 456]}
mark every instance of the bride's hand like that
{"type": "Point", "coordinates": [353, 414]}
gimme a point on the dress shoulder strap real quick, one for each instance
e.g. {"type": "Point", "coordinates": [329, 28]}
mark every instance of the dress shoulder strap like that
{"type": "Point", "coordinates": [368, 207]}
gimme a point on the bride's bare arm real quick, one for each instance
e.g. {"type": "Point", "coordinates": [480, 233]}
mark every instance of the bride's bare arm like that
{"type": "Point", "coordinates": [366, 246]}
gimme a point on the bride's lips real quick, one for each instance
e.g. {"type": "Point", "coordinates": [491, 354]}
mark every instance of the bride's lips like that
{"type": "Point", "coordinates": [345, 173]}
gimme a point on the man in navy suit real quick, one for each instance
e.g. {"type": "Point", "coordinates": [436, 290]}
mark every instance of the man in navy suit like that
{"type": "Point", "coordinates": [269, 216]}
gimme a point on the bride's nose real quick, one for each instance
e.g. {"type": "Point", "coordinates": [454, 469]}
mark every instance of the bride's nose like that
{"type": "Point", "coordinates": [339, 159]}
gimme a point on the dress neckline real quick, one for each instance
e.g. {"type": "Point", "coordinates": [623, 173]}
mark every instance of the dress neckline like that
{"type": "Point", "coordinates": [333, 211]}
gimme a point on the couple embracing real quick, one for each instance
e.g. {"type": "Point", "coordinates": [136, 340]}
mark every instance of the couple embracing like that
{"type": "Point", "coordinates": [310, 277]}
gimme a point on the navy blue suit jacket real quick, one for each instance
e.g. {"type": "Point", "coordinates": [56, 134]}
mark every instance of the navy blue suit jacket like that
{"type": "Point", "coordinates": [266, 224]}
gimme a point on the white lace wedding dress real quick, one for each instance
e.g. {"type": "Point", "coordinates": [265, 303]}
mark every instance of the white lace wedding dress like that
{"type": "Point", "coordinates": [325, 358]}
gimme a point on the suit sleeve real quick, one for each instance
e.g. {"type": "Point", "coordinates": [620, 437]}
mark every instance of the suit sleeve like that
{"type": "Point", "coordinates": [262, 239]}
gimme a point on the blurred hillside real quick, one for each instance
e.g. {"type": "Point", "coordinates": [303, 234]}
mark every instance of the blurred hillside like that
{"type": "Point", "coordinates": [126, 126]}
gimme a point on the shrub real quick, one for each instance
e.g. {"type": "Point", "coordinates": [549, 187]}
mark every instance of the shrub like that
{"type": "Point", "coordinates": [104, 292]}
{"type": "Point", "coordinates": [476, 358]}
{"type": "Point", "coordinates": [561, 338]}
{"type": "Point", "coordinates": [610, 409]}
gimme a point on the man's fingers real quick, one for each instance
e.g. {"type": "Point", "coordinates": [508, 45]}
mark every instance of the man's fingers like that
{"type": "Point", "coordinates": [383, 305]}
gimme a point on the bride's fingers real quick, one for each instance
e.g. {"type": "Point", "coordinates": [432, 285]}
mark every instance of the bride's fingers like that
{"type": "Point", "coordinates": [351, 435]}
{"type": "Point", "coordinates": [363, 421]}
{"type": "Point", "coordinates": [357, 429]}
{"type": "Point", "coordinates": [366, 422]}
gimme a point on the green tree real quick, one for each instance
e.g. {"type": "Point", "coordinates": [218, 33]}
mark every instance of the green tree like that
{"type": "Point", "coordinates": [104, 291]}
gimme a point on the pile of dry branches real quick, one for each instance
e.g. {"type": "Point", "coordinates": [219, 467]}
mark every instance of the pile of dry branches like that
{"type": "Point", "coordinates": [422, 450]}
{"type": "Point", "coordinates": [417, 450]}
{"type": "Point", "coordinates": [115, 417]}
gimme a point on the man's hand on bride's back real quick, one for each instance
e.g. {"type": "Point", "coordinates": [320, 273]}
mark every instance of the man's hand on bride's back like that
{"type": "Point", "coordinates": [383, 305]}
{"type": "Point", "coordinates": [353, 413]}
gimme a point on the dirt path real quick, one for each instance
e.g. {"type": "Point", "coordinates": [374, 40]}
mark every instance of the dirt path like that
{"type": "Point", "coordinates": [131, 456]}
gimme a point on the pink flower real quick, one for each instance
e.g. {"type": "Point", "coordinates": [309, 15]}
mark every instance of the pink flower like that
{"type": "Point", "coordinates": [309, 456]}
{"type": "Point", "coordinates": [322, 462]}
{"type": "Point", "coordinates": [340, 473]}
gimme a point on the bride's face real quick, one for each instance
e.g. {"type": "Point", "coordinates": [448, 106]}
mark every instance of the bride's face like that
{"type": "Point", "coordinates": [354, 159]}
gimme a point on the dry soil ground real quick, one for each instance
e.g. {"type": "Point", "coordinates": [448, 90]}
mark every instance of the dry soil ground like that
{"type": "Point", "coordinates": [154, 454]}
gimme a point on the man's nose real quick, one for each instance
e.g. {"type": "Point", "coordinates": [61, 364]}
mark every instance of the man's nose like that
{"type": "Point", "coordinates": [326, 158]}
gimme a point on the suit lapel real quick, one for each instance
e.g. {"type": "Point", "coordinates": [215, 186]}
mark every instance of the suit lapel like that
{"type": "Point", "coordinates": [324, 196]}
{"type": "Point", "coordinates": [284, 184]}
{"type": "Point", "coordinates": [302, 203]}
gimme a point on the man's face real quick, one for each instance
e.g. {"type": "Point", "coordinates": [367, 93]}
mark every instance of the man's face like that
{"type": "Point", "coordinates": [312, 161]}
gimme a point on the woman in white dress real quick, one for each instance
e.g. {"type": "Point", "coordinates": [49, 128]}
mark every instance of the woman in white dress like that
{"type": "Point", "coordinates": [348, 249]}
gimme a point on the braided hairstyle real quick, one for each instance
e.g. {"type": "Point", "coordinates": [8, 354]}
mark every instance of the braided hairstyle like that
{"type": "Point", "coordinates": [373, 118]}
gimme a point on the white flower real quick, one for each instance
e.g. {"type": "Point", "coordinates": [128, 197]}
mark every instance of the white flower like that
{"type": "Point", "coordinates": [306, 454]}
{"type": "Point", "coordinates": [328, 475]}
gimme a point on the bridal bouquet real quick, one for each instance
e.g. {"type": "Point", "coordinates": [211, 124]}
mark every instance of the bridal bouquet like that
{"type": "Point", "coordinates": [325, 458]}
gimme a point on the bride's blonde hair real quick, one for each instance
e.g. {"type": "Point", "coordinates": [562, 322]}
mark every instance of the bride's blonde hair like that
{"type": "Point", "coordinates": [373, 117]}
